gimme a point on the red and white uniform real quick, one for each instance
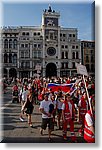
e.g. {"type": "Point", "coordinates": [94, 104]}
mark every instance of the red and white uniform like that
{"type": "Point", "coordinates": [68, 108]}
{"type": "Point", "coordinates": [83, 107]}
{"type": "Point", "coordinates": [88, 134]}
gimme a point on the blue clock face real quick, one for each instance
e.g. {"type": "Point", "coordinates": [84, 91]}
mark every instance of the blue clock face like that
{"type": "Point", "coordinates": [51, 51]}
{"type": "Point", "coordinates": [51, 21]}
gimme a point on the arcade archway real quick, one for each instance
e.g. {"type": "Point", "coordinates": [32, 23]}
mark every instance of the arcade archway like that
{"type": "Point", "coordinates": [12, 72]}
{"type": "Point", "coordinates": [51, 70]}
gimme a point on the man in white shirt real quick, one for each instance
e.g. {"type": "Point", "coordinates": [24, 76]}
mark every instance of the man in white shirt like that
{"type": "Point", "coordinates": [23, 93]}
{"type": "Point", "coordinates": [47, 115]}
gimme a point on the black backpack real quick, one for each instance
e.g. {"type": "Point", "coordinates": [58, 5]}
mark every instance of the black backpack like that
{"type": "Point", "coordinates": [51, 108]}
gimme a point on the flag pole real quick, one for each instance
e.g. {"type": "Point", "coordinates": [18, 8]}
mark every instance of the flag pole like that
{"type": "Point", "coordinates": [87, 94]}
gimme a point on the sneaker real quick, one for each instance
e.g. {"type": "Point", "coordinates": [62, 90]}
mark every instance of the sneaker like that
{"type": "Point", "coordinates": [41, 131]}
{"type": "Point", "coordinates": [31, 125]}
{"type": "Point", "coordinates": [21, 119]}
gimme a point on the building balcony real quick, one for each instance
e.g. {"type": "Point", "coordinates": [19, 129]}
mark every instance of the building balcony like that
{"type": "Point", "coordinates": [24, 48]}
{"type": "Point", "coordinates": [24, 38]}
{"type": "Point", "coordinates": [9, 49]}
{"type": "Point", "coordinates": [37, 58]}
{"type": "Point", "coordinates": [51, 40]}
{"type": "Point", "coordinates": [24, 68]}
{"type": "Point", "coordinates": [9, 65]}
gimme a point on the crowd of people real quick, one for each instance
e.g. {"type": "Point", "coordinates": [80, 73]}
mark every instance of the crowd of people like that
{"type": "Point", "coordinates": [59, 108]}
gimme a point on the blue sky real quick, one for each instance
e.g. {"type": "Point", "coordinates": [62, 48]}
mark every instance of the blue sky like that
{"type": "Point", "coordinates": [72, 15]}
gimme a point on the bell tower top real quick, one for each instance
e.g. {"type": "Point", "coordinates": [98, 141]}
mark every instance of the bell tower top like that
{"type": "Point", "coordinates": [50, 17]}
{"type": "Point", "coordinates": [50, 11]}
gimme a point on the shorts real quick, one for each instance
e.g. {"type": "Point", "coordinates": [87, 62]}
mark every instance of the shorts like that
{"type": "Point", "coordinates": [49, 122]}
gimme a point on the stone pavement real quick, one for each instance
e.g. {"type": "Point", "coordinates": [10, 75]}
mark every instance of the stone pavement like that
{"type": "Point", "coordinates": [15, 131]}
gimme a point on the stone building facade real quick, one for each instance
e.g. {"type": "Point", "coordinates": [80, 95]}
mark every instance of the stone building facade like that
{"type": "Point", "coordinates": [48, 50]}
{"type": "Point", "coordinates": [88, 56]}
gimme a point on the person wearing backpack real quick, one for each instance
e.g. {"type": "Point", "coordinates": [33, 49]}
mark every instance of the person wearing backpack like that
{"type": "Point", "coordinates": [46, 108]}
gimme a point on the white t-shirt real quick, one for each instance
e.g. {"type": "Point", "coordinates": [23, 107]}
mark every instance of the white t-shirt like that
{"type": "Point", "coordinates": [88, 120]}
{"type": "Point", "coordinates": [59, 104]}
{"type": "Point", "coordinates": [24, 95]}
{"type": "Point", "coordinates": [45, 105]}
{"type": "Point", "coordinates": [70, 108]}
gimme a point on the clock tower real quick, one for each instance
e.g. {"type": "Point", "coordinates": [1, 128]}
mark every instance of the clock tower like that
{"type": "Point", "coordinates": [51, 42]}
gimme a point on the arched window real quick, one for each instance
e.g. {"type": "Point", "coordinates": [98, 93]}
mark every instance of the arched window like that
{"type": "Point", "coordinates": [73, 64]}
{"type": "Point", "coordinates": [73, 55]}
{"type": "Point", "coordinates": [66, 55]}
{"type": "Point", "coordinates": [77, 55]}
{"type": "Point", "coordinates": [14, 58]}
{"type": "Point", "coordinates": [92, 59]}
{"type": "Point", "coordinates": [10, 58]}
{"type": "Point", "coordinates": [5, 43]}
{"type": "Point", "coordinates": [87, 59]}
{"type": "Point", "coordinates": [62, 65]}
{"type": "Point", "coordinates": [10, 43]}
{"type": "Point", "coordinates": [5, 58]}
{"type": "Point", "coordinates": [62, 55]}
{"type": "Point", "coordinates": [15, 44]}
{"type": "Point", "coordinates": [66, 65]}
{"type": "Point", "coordinates": [22, 64]}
